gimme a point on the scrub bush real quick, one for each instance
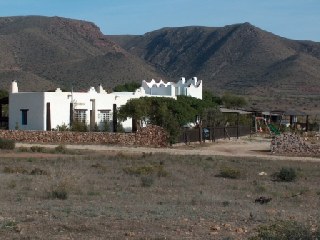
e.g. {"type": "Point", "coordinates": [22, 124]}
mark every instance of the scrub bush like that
{"type": "Point", "coordinates": [283, 230]}
{"type": "Point", "coordinates": [228, 172]}
{"type": "Point", "coordinates": [285, 175]}
{"type": "Point", "coordinates": [7, 144]}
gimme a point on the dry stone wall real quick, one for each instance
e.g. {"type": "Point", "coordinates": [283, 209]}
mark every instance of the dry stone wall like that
{"type": "Point", "coordinates": [152, 136]}
{"type": "Point", "coordinates": [292, 144]}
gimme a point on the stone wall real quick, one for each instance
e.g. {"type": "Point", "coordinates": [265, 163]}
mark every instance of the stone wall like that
{"type": "Point", "coordinates": [292, 144]}
{"type": "Point", "coordinates": [151, 136]}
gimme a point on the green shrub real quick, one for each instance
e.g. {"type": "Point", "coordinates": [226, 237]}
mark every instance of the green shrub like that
{"type": "Point", "coordinates": [38, 171]}
{"type": "Point", "coordinates": [105, 126]}
{"type": "Point", "coordinates": [285, 175]}
{"type": "Point", "coordinates": [146, 170]}
{"type": "Point", "coordinates": [79, 127]}
{"type": "Point", "coordinates": [9, 225]}
{"type": "Point", "coordinates": [60, 149]}
{"type": "Point", "coordinates": [62, 128]}
{"type": "Point", "coordinates": [283, 230]}
{"type": "Point", "coordinates": [12, 184]}
{"type": "Point", "coordinates": [15, 170]}
{"type": "Point", "coordinates": [228, 172]}
{"type": "Point", "coordinates": [37, 149]}
{"type": "Point", "coordinates": [7, 144]}
{"type": "Point", "coordinates": [101, 168]}
{"type": "Point", "coordinates": [23, 149]}
{"type": "Point", "coordinates": [147, 181]}
{"type": "Point", "coordinates": [60, 192]}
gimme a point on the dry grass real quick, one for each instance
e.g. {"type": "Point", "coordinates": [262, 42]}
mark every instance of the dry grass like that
{"type": "Point", "coordinates": [91, 196]}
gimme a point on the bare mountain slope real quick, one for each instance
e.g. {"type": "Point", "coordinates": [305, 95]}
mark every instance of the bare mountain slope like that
{"type": "Point", "coordinates": [272, 72]}
{"type": "Point", "coordinates": [240, 58]}
{"type": "Point", "coordinates": [60, 52]}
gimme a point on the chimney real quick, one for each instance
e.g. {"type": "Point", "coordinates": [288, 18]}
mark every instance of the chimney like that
{"type": "Point", "coordinates": [14, 87]}
{"type": "Point", "coordinates": [100, 89]}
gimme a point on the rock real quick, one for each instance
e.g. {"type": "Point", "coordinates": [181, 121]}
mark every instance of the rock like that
{"type": "Point", "coordinates": [289, 143]}
{"type": "Point", "coordinates": [262, 200]}
{"type": "Point", "coordinates": [215, 228]}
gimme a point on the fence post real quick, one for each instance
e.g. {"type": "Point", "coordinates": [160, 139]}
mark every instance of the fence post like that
{"type": "Point", "coordinates": [71, 115]}
{"type": "Point", "coordinates": [238, 125]}
{"type": "Point", "coordinates": [115, 118]}
{"type": "Point", "coordinates": [48, 120]}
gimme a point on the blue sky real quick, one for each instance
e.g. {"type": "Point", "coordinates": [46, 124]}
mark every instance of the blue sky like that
{"type": "Point", "coordinates": [295, 19]}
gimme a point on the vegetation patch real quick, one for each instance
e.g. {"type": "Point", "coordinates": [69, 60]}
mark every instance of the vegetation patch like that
{"type": "Point", "coordinates": [146, 170]}
{"type": "Point", "coordinates": [7, 144]}
{"type": "Point", "coordinates": [15, 170]}
{"type": "Point", "coordinates": [59, 190]}
{"type": "Point", "coordinates": [38, 171]}
{"type": "Point", "coordinates": [147, 181]}
{"type": "Point", "coordinates": [37, 149]}
{"type": "Point", "coordinates": [9, 225]}
{"type": "Point", "coordinates": [60, 149]}
{"type": "Point", "coordinates": [284, 230]}
{"type": "Point", "coordinates": [229, 172]}
{"type": "Point", "coordinates": [23, 149]}
{"type": "Point", "coordinates": [59, 193]}
{"type": "Point", "coordinates": [285, 175]}
{"type": "Point", "coordinates": [100, 167]}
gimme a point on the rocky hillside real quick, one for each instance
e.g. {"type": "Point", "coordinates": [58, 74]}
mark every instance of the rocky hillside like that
{"type": "Point", "coordinates": [271, 71]}
{"type": "Point", "coordinates": [43, 53]}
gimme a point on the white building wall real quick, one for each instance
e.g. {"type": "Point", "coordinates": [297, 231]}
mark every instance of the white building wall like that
{"type": "Point", "coordinates": [36, 103]}
{"type": "Point", "coordinates": [59, 107]}
{"type": "Point", "coordinates": [31, 101]}
{"type": "Point", "coordinates": [192, 88]}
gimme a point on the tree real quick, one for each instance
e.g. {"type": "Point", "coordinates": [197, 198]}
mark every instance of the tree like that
{"type": "Point", "coordinates": [167, 112]}
{"type": "Point", "coordinates": [3, 93]}
{"type": "Point", "coordinates": [162, 111]}
{"type": "Point", "coordinates": [137, 108]}
{"type": "Point", "coordinates": [127, 87]}
{"type": "Point", "coordinates": [233, 101]}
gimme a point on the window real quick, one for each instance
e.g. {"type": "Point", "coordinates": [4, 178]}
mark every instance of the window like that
{"type": "Point", "coordinates": [80, 115]}
{"type": "Point", "coordinates": [105, 115]}
{"type": "Point", "coordinates": [24, 116]}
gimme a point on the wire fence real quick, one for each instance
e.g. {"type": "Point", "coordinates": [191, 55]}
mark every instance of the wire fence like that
{"type": "Point", "coordinates": [212, 134]}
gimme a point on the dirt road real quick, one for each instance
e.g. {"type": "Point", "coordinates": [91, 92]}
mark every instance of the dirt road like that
{"type": "Point", "coordinates": [245, 147]}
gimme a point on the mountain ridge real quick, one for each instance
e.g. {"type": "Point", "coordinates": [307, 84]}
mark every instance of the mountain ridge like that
{"type": "Point", "coordinates": [240, 58]}
{"type": "Point", "coordinates": [270, 71]}
{"type": "Point", "coordinates": [59, 50]}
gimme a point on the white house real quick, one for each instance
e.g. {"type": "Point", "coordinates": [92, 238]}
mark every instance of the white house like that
{"type": "Point", "coordinates": [47, 110]}
{"type": "Point", "coordinates": [192, 88]}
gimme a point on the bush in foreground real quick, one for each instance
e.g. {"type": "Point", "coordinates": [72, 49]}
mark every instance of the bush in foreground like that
{"type": "Point", "coordinates": [7, 144]}
{"type": "Point", "coordinates": [228, 172]}
{"type": "Point", "coordinates": [284, 230]}
{"type": "Point", "coordinates": [285, 175]}
{"type": "Point", "coordinates": [59, 191]}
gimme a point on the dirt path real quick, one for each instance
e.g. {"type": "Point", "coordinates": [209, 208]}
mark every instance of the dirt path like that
{"type": "Point", "coordinates": [258, 147]}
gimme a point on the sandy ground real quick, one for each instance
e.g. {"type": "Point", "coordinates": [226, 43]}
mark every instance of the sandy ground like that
{"type": "Point", "coordinates": [244, 147]}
